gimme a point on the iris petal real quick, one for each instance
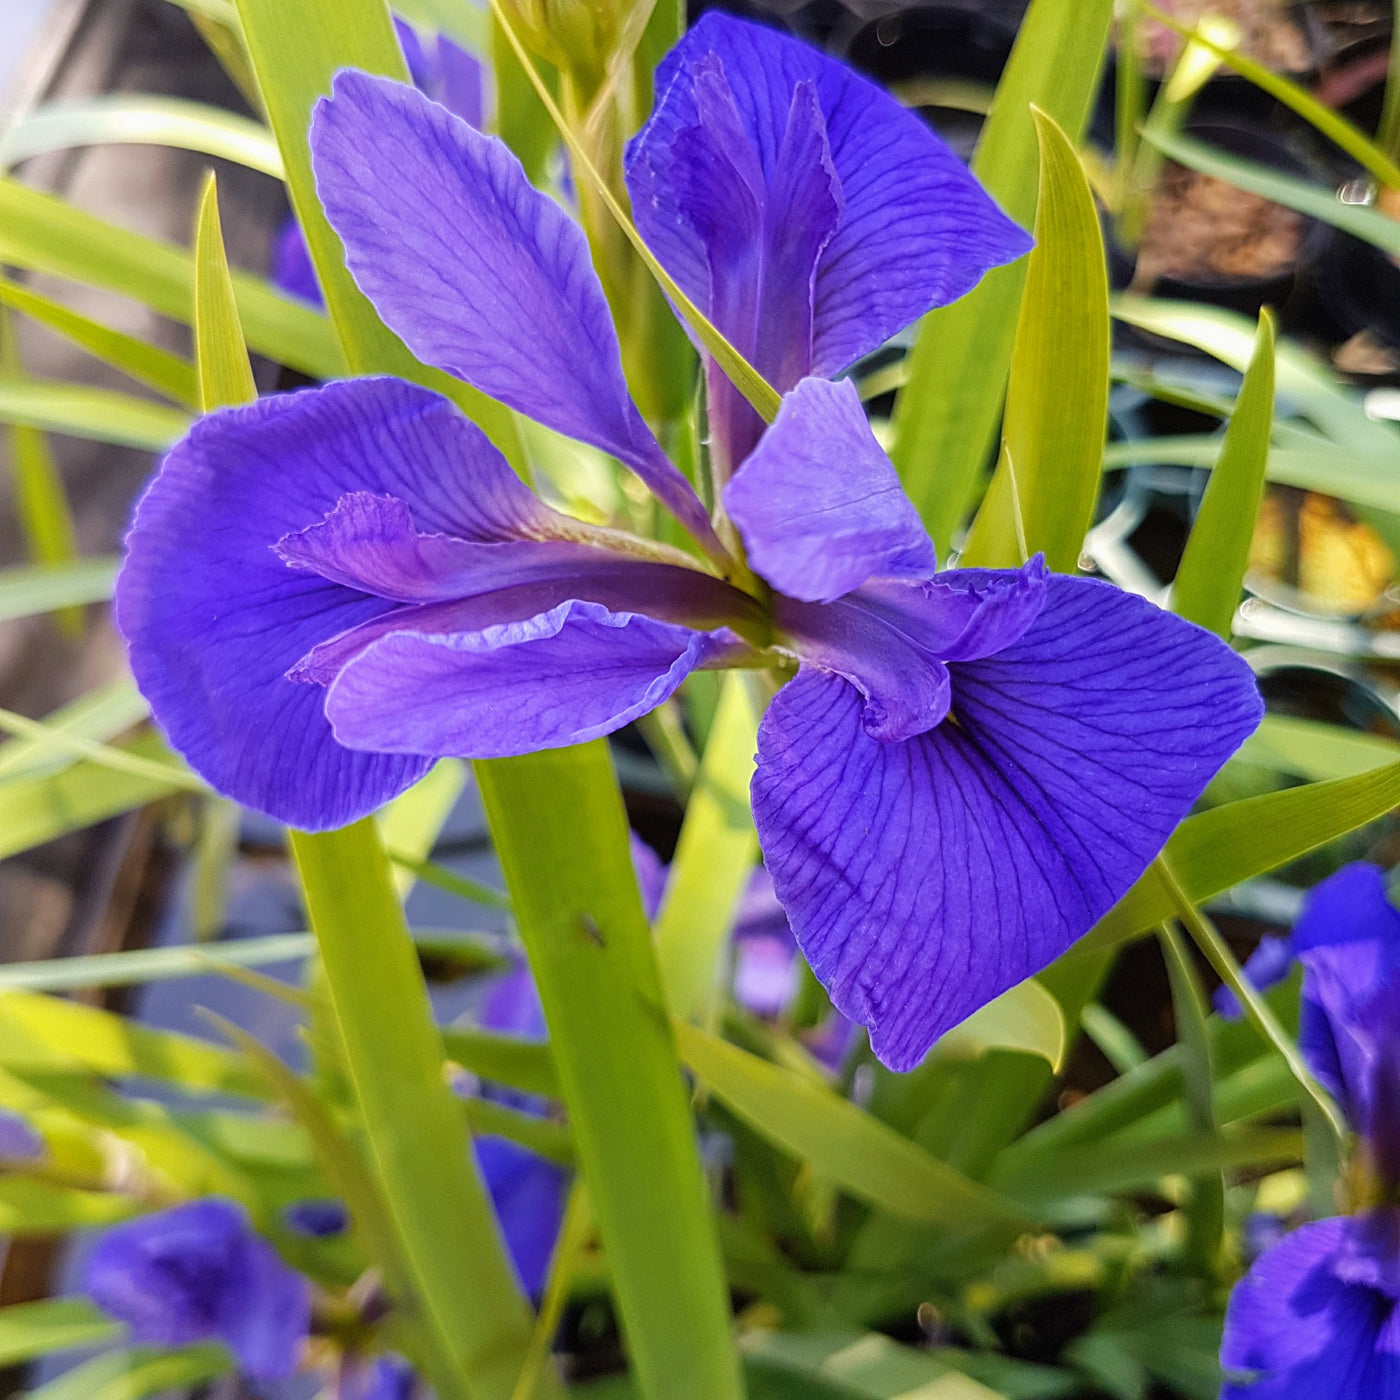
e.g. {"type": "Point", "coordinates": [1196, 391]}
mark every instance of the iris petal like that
{"type": "Point", "coordinates": [214, 619]}
{"type": "Point", "coordinates": [562, 677]}
{"type": "Point", "coordinates": [369, 542]}
{"type": "Point", "coordinates": [197, 1272]}
{"type": "Point", "coordinates": [265, 1319]}
{"type": "Point", "coordinates": [916, 229]}
{"type": "Point", "coordinates": [479, 273]}
{"type": "Point", "coordinates": [924, 877]}
{"type": "Point", "coordinates": [1294, 1330]}
{"type": "Point", "coordinates": [1348, 940]}
{"type": "Point", "coordinates": [964, 614]}
{"type": "Point", "coordinates": [892, 638]}
{"type": "Point", "coordinates": [819, 505]}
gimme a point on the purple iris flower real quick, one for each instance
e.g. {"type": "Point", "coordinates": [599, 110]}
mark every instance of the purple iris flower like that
{"type": "Point", "coordinates": [326, 591]}
{"type": "Point", "coordinates": [1350, 906]}
{"type": "Point", "coordinates": [319, 1218]}
{"type": "Point", "coordinates": [806, 213]}
{"type": "Point", "coordinates": [198, 1273]}
{"type": "Point", "coordinates": [1319, 1312]}
{"type": "Point", "coordinates": [374, 1378]}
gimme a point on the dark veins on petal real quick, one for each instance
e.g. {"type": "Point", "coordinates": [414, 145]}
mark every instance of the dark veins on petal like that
{"type": "Point", "coordinates": [925, 876]}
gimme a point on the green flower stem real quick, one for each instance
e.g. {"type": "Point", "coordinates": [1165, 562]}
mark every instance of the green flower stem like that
{"type": "Point", "coordinates": [1256, 1009]}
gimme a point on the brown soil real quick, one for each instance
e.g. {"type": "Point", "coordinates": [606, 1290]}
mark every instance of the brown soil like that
{"type": "Point", "coordinates": [1270, 36]}
{"type": "Point", "coordinates": [1202, 228]}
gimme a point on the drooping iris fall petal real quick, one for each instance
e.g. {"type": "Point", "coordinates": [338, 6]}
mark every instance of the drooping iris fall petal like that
{"type": "Point", "coordinates": [925, 876]}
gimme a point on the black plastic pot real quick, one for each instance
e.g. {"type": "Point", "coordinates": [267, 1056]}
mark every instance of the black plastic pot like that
{"type": "Point", "coordinates": [1246, 294]}
{"type": "Point", "coordinates": [1359, 288]}
{"type": "Point", "coordinates": [956, 44]}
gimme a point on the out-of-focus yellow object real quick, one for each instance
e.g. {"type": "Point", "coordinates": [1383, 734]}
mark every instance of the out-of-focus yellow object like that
{"type": "Point", "coordinates": [1311, 543]}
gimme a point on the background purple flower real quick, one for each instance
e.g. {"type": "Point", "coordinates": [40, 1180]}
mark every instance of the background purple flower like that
{"type": "Point", "coordinates": [374, 1378]}
{"type": "Point", "coordinates": [1350, 906]}
{"type": "Point", "coordinates": [19, 1140]}
{"type": "Point", "coordinates": [317, 1218]}
{"type": "Point", "coordinates": [1319, 1312]}
{"type": "Point", "coordinates": [198, 1273]}
{"type": "Point", "coordinates": [1318, 1316]}
{"type": "Point", "coordinates": [527, 1191]}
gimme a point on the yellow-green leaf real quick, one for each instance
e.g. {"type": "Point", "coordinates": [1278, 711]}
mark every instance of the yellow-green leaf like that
{"type": "Point", "coordinates": [715, 854]}
{"type": "Point", "coordinates": [1025, 1017]}
{"type": "Point", "coordinates": [52, 1325]}
{"type": "Point", "coordinates": [141, 120]}
{"type": "Point", "coordinates": [1057, 396]}
{"type": "Point", "coordinates": [1208, 582]}
{"type": "Point", "coordinates": [46, 1032]}
{"type": "Point", "coordinates": [167, 374]}
{"type": "Point", "coordinates": [844, 1145]}
{"type": "Point", "coordinates": [1214, 850]}
{"type": "Point", "coordinates": [946, 416]}
{"type": "Point", "coordinates": [225, 376]}
{"type": "Point", "coordinates": [79, 411]}
{"type": "Point", "coordinates": [41, 232]}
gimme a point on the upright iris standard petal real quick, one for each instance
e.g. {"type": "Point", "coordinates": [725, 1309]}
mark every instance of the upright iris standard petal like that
{"type": "Point", "coordinates": [562, 677]}
{"type": "Point", "coordinates": [195, 1273]}
{"type": "Point", "coordinates": [480, 273]}
{"type": "Point", "coordinates": [914, 229]}
{"type": "Point", "coordinates": [923, 877]}
{"type": "Point", "coordinates": [1315, 1317]}
{"type": "Point", "coordinates": [819, 505]}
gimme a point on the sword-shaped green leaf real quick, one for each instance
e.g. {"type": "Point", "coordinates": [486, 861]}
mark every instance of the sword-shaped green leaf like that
{"type": "Point", "coordinates": [561, 834]}
{"type": "Point", "coordinates": [1208, 582]}
{"type": "Point", "coordinates": [41, 232]}
{"type": "Point", "coordinates": [145, 120]}
{"type": "Point", "coordinates": [1214, 850]}
{"type": "Point", "coordinates": [225, 376]}
{"type": "Point", "coordinates": [715, 854]}
{"type": "Point", "coordinates": [1057, 396]}
{"type": "Point", "coordinates": [413, 1126]}
{"type": "Point", "coordinates": [167, 374]}
{"type": "Point", "coordinates": [844, 1145]}
{"type": "Point", "coordinates": [946, 416]}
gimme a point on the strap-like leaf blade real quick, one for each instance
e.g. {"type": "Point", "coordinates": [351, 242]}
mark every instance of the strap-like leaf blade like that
{"type": "Point", "coordinates": [1208, 582]}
